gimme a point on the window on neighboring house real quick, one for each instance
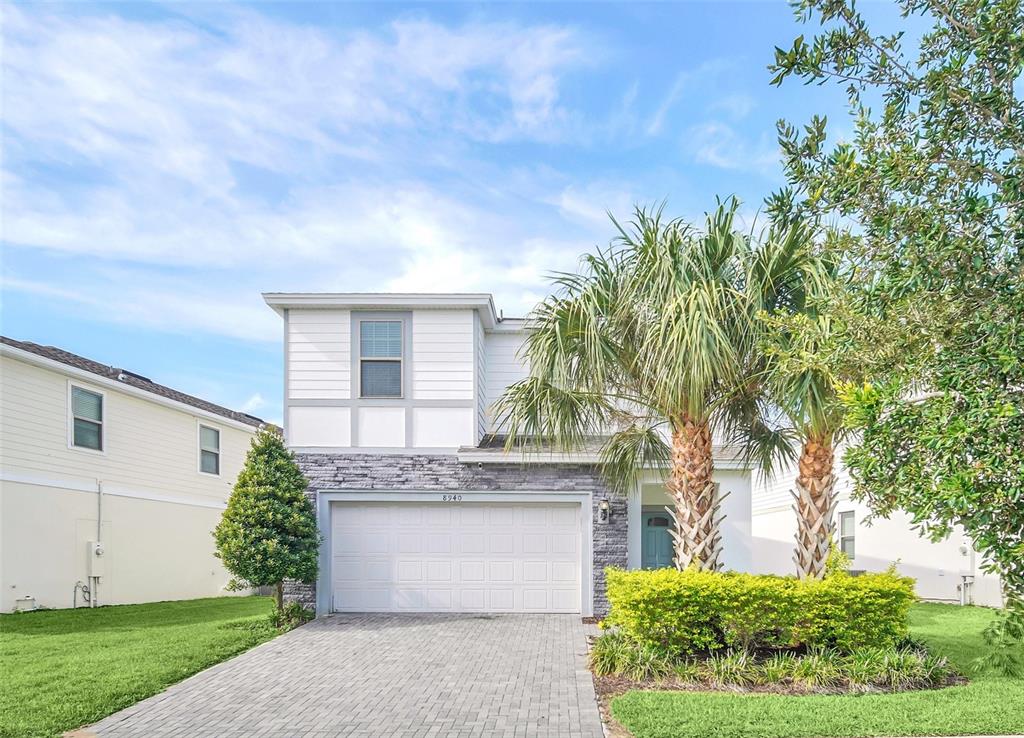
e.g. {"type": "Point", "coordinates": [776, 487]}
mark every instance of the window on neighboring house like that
{"type": "Point", "coordinates": [846, 534]}
{"type": "Point", "coordinates": [209, 450]}
{"type": "Point", "coordinates": [86, 419]}
{"type": "Point", "coordinates": [380, 358]}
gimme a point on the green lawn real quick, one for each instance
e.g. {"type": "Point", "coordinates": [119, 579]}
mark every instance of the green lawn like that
{"type": "Point", "coordinates": [990, 704]}
{"type": "Point", "coordinates": [60, 669]}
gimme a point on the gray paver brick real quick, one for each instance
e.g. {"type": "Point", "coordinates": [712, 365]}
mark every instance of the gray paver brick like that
{"type": "Point", "coordinates": [420, 676]}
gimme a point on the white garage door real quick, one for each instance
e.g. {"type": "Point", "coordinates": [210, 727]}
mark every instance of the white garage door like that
{"type": "Point", "coordinates": [452, 557]}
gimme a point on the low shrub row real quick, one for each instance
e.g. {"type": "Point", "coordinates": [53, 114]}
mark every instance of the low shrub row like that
{"type": "Point", "coordinates": [687, 612]}
{"type": "Point", "coordinates": [819, 670]}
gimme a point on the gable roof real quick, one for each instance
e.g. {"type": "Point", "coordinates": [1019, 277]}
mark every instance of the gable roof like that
{"type": "Point", "coordinates": [123, 376]}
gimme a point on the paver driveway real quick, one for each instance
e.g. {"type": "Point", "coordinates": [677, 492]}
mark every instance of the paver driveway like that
{"type": "Point", "coordinates": [388, 675]}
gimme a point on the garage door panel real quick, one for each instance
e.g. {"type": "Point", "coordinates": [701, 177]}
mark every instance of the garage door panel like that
{"type": "Point", "coordinates": [439, 599]}
{"type": "Point", "coordinates": [471, 515]}
{"type": "Point", "coordinates": [439, 571]}
{"type": "Point", "coordinates": [501, 599]}
{"type": "Point", "coordinates": [564, 599]}
{"type": "Point", "coordinates": [362, 599]}
{"type": "Point", "coordinates": [438, 543]}
{"type": "Point", "coordinates": [565, 544]}
{"type": "Point", "coordinates": [410, 515]}
{"type": "Point", "coordinates": [535, 599]}
{"type": "Point", "coordinates": [563, 572]}
{"type": "Point", "coordinates": [501, 571]}
{"type": "Point", "coordinates": [501, 517]}
{"type": "Point", "coordinates": [489, 557]}
{"type": "Point", "coordinates": [471, 571]}
{"type": "Point", "coordinates": [535, 516]}
{"type": "Point", "coordinates": [410, 571]}
{"type": "Point", "coordinates": [534, 543]}
{"type": "Point", "coordinates": [501, 543]}
{"type": "Point", "coordinates": [563, 517]}
{"type": "Point", "coordinates": [410, 543]}
{"type": "Point", "coordinates": [438, 515]}
{"type": "Point", "coordinates": [378, 570]}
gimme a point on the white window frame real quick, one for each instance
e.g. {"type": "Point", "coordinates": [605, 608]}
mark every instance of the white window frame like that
{"type": "Point", "coordinates": [102, 450]}
{"type": "Point", "coordinates": [400, 359]}
{"type": "Point", "coordinates": [199, 448]}
{"type": "Point", "coordinates": [853, 536]}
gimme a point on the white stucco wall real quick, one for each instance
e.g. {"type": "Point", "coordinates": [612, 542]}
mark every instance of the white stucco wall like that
{"type": "Point", "coordinates": [735, 485]}
{"type": "Point", "coordinates": [937, 567]}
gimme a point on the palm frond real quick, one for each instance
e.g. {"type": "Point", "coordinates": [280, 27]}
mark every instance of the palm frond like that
{"type": "Point", "coordinates": [534, 413]}
{"type": "Point", "coordinates": [629, 451]}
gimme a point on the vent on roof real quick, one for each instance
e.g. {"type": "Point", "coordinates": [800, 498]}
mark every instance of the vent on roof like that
{"type": "Point", "coordinates": [122, 373]}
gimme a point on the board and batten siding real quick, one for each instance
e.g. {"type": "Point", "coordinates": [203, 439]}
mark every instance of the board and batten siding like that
{"type": "Point", "coordinates": [504, 368]}
{"type": "Point", "coordinates": [775, 492]}
{"type": "Point", "coordinates": [319, 355]}
{"type": "Point", "coordinates": [480, 381]}
{"type": "Point", "coordinates": [442, 354]}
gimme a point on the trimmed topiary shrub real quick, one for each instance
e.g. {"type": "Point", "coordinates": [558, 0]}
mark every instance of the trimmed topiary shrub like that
{"type": "Point", "coordinates": [688, 612]}
{"type": "Point", "coordinates": [846, 612]}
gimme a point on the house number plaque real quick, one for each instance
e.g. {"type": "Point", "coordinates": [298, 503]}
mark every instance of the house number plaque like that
{"type": "Point", "coordinates": [451, 498]}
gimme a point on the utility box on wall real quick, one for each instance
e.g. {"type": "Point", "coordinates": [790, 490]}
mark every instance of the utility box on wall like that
{"type": "Point", "coordinates": [96, 557]}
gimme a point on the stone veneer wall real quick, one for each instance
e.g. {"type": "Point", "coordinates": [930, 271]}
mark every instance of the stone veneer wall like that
{"type": "Point", "coordinates": [429, 472]}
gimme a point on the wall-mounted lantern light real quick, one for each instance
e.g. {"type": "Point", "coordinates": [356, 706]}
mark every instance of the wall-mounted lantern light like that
{"type": "Point", "coordinates": [604, 510]}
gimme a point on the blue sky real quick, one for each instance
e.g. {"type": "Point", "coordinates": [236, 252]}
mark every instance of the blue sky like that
{"type": "Point", "coordinates": [165, 164]}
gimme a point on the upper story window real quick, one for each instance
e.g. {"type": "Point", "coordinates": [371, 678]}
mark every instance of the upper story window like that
{"type": "Point", "coordinates": [86, 419]}
{"type": "Point", "coordinates": [380, 358]}
{"type": "Point", "coordinates": [209, 450]}
{"type": "Point", "coordinates": [846, 534]}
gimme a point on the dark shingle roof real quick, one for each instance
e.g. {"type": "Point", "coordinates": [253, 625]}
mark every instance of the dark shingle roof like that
{"type": "Point", "coordinates": [130, 378]}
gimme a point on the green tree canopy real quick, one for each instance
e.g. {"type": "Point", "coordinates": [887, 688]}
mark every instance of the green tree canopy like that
{"type": "Point", "coordinates": [268, 532]}
{"type": "Point", "coordinates": [933, 181]}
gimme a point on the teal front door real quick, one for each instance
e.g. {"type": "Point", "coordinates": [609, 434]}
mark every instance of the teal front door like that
{"type": "Point", "coordinates": [656, 541]}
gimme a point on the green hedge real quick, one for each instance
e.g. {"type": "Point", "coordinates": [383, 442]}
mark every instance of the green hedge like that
{"type": "Point", "coordinates": [686, 612]}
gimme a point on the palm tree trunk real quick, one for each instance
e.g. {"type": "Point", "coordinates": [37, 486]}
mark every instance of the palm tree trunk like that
{"type": "Point", "coordinates": [814, 506]}
{"type": "Point", "coordinates": [696, 538]}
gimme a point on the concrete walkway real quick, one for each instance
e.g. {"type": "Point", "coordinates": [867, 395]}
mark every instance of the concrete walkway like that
{"type": "Point", "coordinates": [387, 675]}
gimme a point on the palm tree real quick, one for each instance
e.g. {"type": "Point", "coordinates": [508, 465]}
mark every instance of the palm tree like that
{"type": "Point", "coordinates": [647, 350]}
{"type": "Point", "coordinates": [802, 382]}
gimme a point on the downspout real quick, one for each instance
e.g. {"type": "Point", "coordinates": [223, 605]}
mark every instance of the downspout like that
{"type": "Point", "coordinates": [99, 538]}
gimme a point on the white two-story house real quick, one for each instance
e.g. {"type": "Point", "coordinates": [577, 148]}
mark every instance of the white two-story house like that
{"type": "Point", "coordinates": [110, 484]}
{"type": "Point", "coordinates": [387, 402]}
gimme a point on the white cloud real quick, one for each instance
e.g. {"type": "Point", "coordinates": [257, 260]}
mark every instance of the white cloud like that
{"type": "Point", "coordinates": [171, 305]}
{"type": "Point", "coordinates": [253, 404]}
{"type": "Point", "coordinates": [719, 145]}
{"type": "Point", "coordinates": [685, 79]}
{"type": "Point", "coordinates": [736, 106]}
{"type": "Point", "coordinates": [163, 114]}
{"type": "Point", "coordinates": [591, 204]}
{"type": "Point", "coordinates": [186, 164]}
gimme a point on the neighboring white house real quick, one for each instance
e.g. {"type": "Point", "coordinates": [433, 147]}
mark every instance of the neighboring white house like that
{"type": "Point", "coordinates": [80, 442]}
{"type": "Point", "coordinates": [948, 571]}
{"type": "Point", "coordinates": [387, 402]}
